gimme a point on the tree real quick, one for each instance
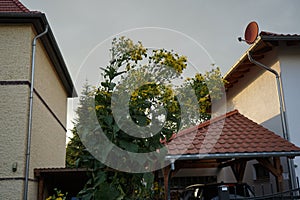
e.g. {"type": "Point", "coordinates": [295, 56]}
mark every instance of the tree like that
{"type": "Point", "coordinates": [135, 93]}
{"type": "Point", "coordinates": [75, 149]}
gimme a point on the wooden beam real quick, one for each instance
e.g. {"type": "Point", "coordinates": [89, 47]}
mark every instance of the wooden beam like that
{"type": "Point", "coordinates": [275, 168]}
{"type": "Point", "coordinates": [279, 178]}
{"type": "Point", "coordinates": [41, 188]}
{"type": "Point", "coordinates": [263, 50]}
{"type": "Point", "coordinates": [167, 177]}
{"type": "Point", "coordinates": [232, 162]}
{"type": "Point", "coordinates": [181, 165]}
{"type": "Point", "coordinates": [238, 169]}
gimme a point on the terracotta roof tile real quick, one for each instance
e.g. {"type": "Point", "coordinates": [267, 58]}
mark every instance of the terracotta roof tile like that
{"type": "Point", "coordinates": [239, 135]}
{"type": "Point", "coordinates": [12, 6]}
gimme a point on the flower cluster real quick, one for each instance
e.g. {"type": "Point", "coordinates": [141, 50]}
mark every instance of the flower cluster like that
{"type": "Point", "coordinates": [170, 59]}
{"type": "Point", "coordinates": [58, 195]}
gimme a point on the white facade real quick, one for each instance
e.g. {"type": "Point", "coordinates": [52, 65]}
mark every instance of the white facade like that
{"type": "Point", "coordinates": [290, 73]}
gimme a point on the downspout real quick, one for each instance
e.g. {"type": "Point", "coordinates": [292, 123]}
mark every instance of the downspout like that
{"type": "Point", "coordinates": [169, 177]}
{"type": "Point", "coordinates": [282, 114]}
{"type": "Point", "coordinates": [30, 111]}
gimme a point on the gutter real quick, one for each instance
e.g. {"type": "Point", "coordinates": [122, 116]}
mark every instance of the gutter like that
{"type": "Point", "coordinates": [30, 111]}
{"type": "Point", "coordinates": [280, 37]}
{"type": "Point", "coordinates": [232, 155]}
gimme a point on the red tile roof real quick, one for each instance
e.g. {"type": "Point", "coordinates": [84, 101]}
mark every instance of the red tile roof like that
{"type": "Point", "coordinates": [229, 133]}
{"type": "Point", "coordinates": [12, 6]}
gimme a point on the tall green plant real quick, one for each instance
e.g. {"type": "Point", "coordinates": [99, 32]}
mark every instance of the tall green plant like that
{"type": "Point", "coordinates": [130, 65]}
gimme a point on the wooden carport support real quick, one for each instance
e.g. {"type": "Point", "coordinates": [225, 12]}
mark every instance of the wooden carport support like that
{"type": "Point", "coordinates": [273, 165]}
{"type": "Point", "coordinates": [238, 166]}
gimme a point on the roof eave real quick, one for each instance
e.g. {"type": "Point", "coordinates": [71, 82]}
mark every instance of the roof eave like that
{"type": "Point", "coordinates": [280, 38]}
{"type": "Point", "coordinates": [232, 155]}
{"type": "Point", "coordinates": [39, 22]}
{"type": "Point", "coordinates": [260, 39]}
{"type": "Point", "coordinates": [243, 57]}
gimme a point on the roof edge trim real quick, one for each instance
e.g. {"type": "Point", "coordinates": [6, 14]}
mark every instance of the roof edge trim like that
{"type": "Point", "coordinates": [232, 155]}
{"type": "Point", "coordinates": [244, 56]}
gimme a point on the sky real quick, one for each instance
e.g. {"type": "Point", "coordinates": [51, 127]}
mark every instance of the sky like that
{"type": "Point", "coordinates": [205, 31]}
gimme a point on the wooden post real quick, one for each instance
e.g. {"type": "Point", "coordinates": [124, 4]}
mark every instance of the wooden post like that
{"type": "Point", "coordinates": [41, 188]}
{"type": "Point", "coordinates": [166, 172]}
{"type": "Point", "coordinates": [279, 178]}
{"type": "Point", "coordinates": [238, 169]}
{"type": "Point", "coordinates": [275, 168]}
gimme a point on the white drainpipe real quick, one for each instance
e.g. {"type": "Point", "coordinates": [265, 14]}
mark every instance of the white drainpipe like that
{"type": "Point", "coordinates": [30, 111]}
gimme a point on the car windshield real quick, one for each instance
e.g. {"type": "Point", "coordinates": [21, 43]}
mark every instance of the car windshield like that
{"type": "Point", "coordinates": [210, 192]}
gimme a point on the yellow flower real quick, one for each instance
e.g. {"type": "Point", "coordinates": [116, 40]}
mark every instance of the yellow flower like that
{"type": "Point", "coordinates": [98, 107]}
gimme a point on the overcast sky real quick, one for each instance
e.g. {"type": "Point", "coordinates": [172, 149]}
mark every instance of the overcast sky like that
{"type": "Point", "coordinates": [205, 31]}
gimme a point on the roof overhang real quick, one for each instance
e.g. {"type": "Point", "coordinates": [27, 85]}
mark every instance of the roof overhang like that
{"type": "Point", "coordinates": [39, 21]}
{"type": "Point", "coordinates": [264, 43]}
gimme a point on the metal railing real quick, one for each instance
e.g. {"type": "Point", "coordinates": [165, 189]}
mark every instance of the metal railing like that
{"type": "Point", "coordinates": [289, 195]}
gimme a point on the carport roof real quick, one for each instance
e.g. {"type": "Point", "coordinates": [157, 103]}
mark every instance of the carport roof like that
{"type": "Point", "coordinates": [227, 136]}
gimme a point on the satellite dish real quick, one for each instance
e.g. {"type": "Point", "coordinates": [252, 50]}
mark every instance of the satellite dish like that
{"type": "Point", "coordinates": [251, 32]}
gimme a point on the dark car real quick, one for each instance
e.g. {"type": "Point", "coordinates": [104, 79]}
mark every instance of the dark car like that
{"type": "Point", "coordinates": [211, 191]}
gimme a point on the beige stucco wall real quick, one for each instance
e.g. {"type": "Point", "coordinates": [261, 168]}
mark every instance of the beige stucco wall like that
{"type": "Point", "coordinates": [48, 136]}
{"type": "Point", "coordinates": [11, 190]}
{"type": "Point", "coordinates": [13, 128]}
{"type": "Point", "coordinates": [258, 100]}
{"type": "Point", "coordinates": [15, 52]}
{"type": "Point", "coordinates": [48, 139]}
{"type": "Point", "coordinates": [48, 84]}
{"type": "Point", "coordinates": [14, 63]}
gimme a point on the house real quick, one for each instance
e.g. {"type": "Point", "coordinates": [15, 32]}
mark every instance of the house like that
{"type": "Point", "coordinates": [255, 92]}
{"type": "Point", "coordinates": [33, 133]}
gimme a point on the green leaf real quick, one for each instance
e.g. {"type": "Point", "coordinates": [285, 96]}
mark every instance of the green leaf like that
{"type": "Point", "coordinates": [108, 120]}
{"type": "Point", "coordinates": [148, 179]}
{"type": "Point", "coordinates": [100, 178]}
{"type": "Point", "coordinates": [129, 146]}
{"type": "Point", "coordinates": [107, 192]}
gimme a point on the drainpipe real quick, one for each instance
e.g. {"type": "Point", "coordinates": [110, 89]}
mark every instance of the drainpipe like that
{"type": "Point", "coordinates": [169, 177]}
{"type": "Point", "coordinates": [286, 136]}
{"type": "Point", "coordinates": [30, 111]}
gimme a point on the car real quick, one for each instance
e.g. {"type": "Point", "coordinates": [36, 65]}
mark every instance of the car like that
{"type": "Point", "coordinates": [211, 191]}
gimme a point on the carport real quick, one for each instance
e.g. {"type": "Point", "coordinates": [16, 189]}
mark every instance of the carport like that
{"type": "Point", "coordinates": [230, 140]}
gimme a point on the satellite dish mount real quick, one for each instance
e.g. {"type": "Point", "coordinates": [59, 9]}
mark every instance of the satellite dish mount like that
{"type": "Point", "coordinates": [251, 33]}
